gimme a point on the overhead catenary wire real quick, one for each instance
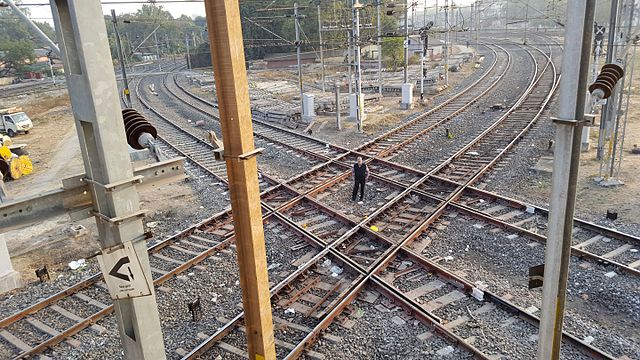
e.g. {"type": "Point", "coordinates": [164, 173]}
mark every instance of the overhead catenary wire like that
{"type": "Point", "coordinates": [269, 31]}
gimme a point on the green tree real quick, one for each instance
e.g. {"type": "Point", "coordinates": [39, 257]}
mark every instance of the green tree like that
{"type": "Point", "coordinates": [171, 32]}
{"type": "Point", "coordinates": [13, 28]}
{"type": "Point", "coordinates": [13, 55]}
{"type": "Point", "coordinates": [17, 41]}
{"type": "Point", "coordinates": [393, 51]}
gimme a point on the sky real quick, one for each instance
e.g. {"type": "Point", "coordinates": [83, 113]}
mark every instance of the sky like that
{"type": "Point", "coordinates": [177, 8]}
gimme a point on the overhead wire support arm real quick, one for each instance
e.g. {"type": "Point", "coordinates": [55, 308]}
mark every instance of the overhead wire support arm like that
{"type": "Point", "coordinates": [33, 27]}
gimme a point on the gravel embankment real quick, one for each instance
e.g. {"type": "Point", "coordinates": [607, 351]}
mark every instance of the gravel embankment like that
{"type": "Point", "coordinates": [275, 161]}
{"type": "Point", "coordinates": [352, 139]}
{"type": "Point", "coordinates": [384, 332]}
{"type": "Point", "coordinates": [434, 147]}
{"type": "Point", "coordinates": [607, 309]}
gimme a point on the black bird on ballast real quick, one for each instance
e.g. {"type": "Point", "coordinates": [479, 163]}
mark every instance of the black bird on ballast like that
{"type": "Point", "coordinates": [449, 134]}
{"type": "Point", "coordinates": [551, 142]}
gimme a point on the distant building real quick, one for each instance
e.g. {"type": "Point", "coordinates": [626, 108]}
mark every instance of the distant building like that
{"type": "Point", "coordinates": [42, 55]}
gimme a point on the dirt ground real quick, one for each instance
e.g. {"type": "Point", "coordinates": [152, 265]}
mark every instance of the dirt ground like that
{"type": "Point", "coordinates": [593, 200]}
{"type": "Point", "coordinates": [623, 199]}
{"type": "Point", "coordinates": [380, 117]}
{"type": "Point", "coordinates": [54, 149]}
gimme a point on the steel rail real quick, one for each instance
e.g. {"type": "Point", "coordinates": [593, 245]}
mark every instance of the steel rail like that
{"type": "Point", "coordinates": [256, 132]}
{"type": "Point", "coordinates": [176, 148]}
{"type": "Point", "coordinates": [372, 143]}
{"type": "Point", "coordinates": [310, 198]}
{"type": "Point", "coordinates": [265, 123]}
{"type": "Point", "coordinates": [330, 247]}
{"type": "Point", "coordinates": [383, 263]}
{"type": "Point", "coordinates": [96, 278]}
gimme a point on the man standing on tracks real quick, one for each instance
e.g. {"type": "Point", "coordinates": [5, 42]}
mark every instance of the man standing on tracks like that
{"type": "Point", "coordinates": [360, 176]}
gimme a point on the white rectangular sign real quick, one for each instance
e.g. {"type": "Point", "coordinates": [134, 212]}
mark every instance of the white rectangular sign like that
{"type": "Point", "coordinates": [123, 273]}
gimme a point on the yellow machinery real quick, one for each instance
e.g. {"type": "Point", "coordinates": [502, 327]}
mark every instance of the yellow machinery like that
{"type": "Point", "coordinates": [12, 165]}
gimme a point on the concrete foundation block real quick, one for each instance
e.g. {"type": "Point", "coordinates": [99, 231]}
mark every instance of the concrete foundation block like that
{"type": "Point", "coordinates": [585, 144]}
{"type": "Point", "coordinates": [9, 278]}
{"type": "Point", "coordinates": [10, 281]}
{"type": "Point", "coordinates": [308, 107]}
{"type": "Point", "coordinates": [407, 97]}
{"type": "Point", "coordinates": [353, 108]}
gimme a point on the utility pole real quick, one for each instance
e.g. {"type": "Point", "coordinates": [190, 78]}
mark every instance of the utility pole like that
{"type": "Point", "coordinates": [320, 38]}
{"type": "Point", "coordinates": [435, 16]}
{"type": "Point", "coordinates": [356, 39]}
{"type": "Point", "coordinates": [123, 69]}
{"type": "Point", "coordinates": [609, 107]}
{"type": "Point", "coordinates": [406, 42]}
{"type": "Point", "coordinates": [424, 14]}
{"type": "Point", "coordinates": [626, 113]}
{"type": "Point", "coordinates": [595, 65]}
{"type": "Point", "coordinates": [350, 61]}
{"type": "Point", "coordinates": [621, 95]}
{"type": "Point", "coordinates": [50, 60]}
{"type": "Point", "coordinates": [155, 36]}
{"type": "Point", "coordinates": [227, 54]}
{"type": "Point", "coordinates": [186, 41]}
{"type": "Point", "coordinates": [378, 10]}
{"type": "Point", "coordinates": [338, 122]}
{"type": "Point", "coordinates": [577, 48]}
{"type": "Point", "coordinates": [298, 45]}
{"type": "Point", "coordinates": [478, 7]}
{"type": "Point", "coordinates": [93, 91]}
{"type": "Point", "coordinates": [129, 47]}
{"type": "Point", "coordinates": [169, 47]}
{"type": "Point", "coordinates": [425, 47]}
{"type": "Point", "coordinates": [413, 15]}
{"type": "Point", "coordinates": [445, 47]}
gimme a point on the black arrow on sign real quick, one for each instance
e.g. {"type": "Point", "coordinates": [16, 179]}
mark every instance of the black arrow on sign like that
{"type": "Point", "coordinates": [114, 271]}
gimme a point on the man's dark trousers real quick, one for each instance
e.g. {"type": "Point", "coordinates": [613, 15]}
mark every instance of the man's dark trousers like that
{"type": "Point", "coordinates": [358, 184]}
{"type": "Point", "coordinates": [360, 173]}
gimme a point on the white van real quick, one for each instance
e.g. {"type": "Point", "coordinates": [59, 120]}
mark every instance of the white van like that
{"type": "Point", "coordinates": [14, 121]}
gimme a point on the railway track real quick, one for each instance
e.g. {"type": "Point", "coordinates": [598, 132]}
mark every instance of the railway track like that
{"type": "Point", "coordinates": [182, 139]}
{"type": "Point", "coordinates": [395, 139]}
{"type": "Point", "coordinates": [305, 145]}
{"type": "Point", "coordinates": [396, 225]}
{"type": "Point", "coordinates": [323, 242]}
{"type": "Point", "coordinates": [490, 146]}
{"type": "Point", "coordinates": [30, 89]}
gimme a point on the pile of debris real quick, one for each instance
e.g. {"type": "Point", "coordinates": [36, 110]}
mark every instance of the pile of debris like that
{"type": "Point", "coordinates": [271, 109]}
